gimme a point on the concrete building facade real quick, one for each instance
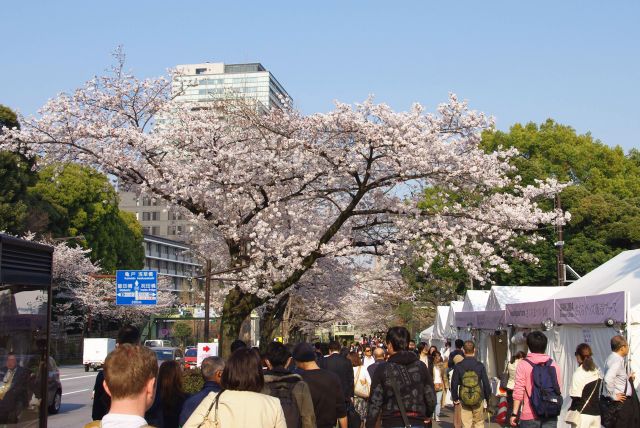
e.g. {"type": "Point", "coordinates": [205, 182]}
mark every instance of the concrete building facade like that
{"type": "Point", "coordinates": [206, 82]}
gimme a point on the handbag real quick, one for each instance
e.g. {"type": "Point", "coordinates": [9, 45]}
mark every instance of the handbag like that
{"type": "Point", "coordinates": [609, 409]}
{"type": "Point", "coordinates": [206, 422]}
{"type": "Point", "coordinates": [573, 416]}
{"type": "Point", "coordinates": [361, 389]}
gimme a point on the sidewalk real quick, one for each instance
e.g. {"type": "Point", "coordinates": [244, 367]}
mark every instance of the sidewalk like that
{"type": "Point", "coordinates": [446, 420]}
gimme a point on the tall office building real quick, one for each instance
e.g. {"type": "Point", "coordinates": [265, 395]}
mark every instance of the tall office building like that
{"type": "Point", "coordinates": [217, 81]}
{"type": "Point", "coordinates": [208, 82]}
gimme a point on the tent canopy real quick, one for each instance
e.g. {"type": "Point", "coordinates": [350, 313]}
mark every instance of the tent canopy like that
{"type": "Point", "coordinates": [621, 273]}
{"type": "Point", "coordinates": [451, 331]}
{"type": "Point", "coordinates": [502, 295]}
{"type": "Point", "coordinates": [475, 300]}
{"type": "Point", "coordinates": [439, 331]}
{"type": "Point", "coordinates": [426, 335]}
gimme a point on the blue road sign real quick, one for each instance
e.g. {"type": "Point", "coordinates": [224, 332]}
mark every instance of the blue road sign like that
{"type": "Point", "coordinates": [136, 287]}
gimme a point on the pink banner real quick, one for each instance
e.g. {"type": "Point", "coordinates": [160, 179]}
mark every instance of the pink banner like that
{"type": "Point", "coordinates": [590, 309]}
{"type": "Point", "coordinates": [490, 320]}
{"type": "Point", "coordinates": [530, 313]}
{"type": "Point", "coordinates": [466, 319]}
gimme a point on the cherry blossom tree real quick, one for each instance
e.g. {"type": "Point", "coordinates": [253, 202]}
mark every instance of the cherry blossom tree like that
{"type": "Point", "coordinates": [79, 294]}
{"type": "Point", "coordinates": [283, 190]}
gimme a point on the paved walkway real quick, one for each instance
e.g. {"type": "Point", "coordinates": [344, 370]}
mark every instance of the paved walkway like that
{"type": "Point", "coordinates": [446, 420]}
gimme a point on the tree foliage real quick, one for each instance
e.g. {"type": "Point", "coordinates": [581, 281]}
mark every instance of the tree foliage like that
{"type": "Point", "coordinates": [82, 202]}
{"type": "Point", "coordinates": [282, 190]}
{"type": "Point", "coordinates": [604, 200]}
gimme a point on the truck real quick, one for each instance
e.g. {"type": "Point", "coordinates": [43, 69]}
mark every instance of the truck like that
{"type": "Point", "coordinates": [95, 351]}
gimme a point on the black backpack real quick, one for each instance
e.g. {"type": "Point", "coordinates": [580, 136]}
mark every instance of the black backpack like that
{"type": "Point", "coordinates": [283, 390]}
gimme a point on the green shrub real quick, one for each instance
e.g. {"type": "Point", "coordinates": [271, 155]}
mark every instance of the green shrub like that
{"type": "Point", "coordinates": [193, 381]}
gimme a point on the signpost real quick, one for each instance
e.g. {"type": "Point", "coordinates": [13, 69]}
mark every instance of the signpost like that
{"type": "Point", "coordinates": [136, 287]}
{"type": "Point", "coordinates": [206, 350]}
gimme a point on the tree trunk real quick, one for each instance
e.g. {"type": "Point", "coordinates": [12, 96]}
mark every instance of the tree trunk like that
{"type": "Point", "coordinates": [237, 307]}
{"type": "Point", "coordinates": [271, 318]}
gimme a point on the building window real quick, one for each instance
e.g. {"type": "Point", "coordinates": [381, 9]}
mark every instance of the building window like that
{"type": "Point", "coordinates": [175, 230]}
{"type": "Point", "coordinates": [155, 230]}
{"type": "Point", "coordinates": [201, 70]}
{"type": "Point", "coordinates": [151, 215]}
{"type": "Point", "coordinates": [149, 202]}
{"type": "Point", "coordinates": [173, 215]}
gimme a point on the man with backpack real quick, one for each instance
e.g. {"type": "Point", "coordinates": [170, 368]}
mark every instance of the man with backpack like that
{"type": "Point", "coordinates": [289, 388]}
{"type": "Point", "coordinates": [537, 387]}
{"type": "Point", "coordinates": [402, 392]}
{"type": "Point", "coordinates": [470, 387]}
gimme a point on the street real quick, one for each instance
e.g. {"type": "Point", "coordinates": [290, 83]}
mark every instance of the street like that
{"type": "Point", "coordinates": [75, 410]}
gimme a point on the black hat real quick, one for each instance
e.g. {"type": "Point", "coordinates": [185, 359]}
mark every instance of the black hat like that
{"type": "Point", "coordinates": [304, 352]}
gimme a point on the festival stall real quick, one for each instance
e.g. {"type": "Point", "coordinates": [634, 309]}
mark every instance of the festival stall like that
{"type": "Point", "coordinates": [607, 300]}
{"type": "Point", "coordinates": [452, 331]}
{"type": "Point", "coordinates": [500, 296]}
{"type": "Point", "coordinates": [440, 327]}
{"type": "Point", "coordinates": [475, 300]}
{"type": "Point", "coordinates": [603, 303]}
{"type": "Point", "coordinates": [426, 335]}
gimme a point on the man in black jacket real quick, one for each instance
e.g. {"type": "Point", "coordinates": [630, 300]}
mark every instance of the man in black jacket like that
{"type": "Point", "coordinates": [407, 375]}
{"type": "Point", "coordinates": [101, 401]}
{"type": "Point", "coordinates": [458, 351]}
{"type": "Point", "coordinates": [466, 374]}
{"type": "Point", "coordinates": [342, 367]}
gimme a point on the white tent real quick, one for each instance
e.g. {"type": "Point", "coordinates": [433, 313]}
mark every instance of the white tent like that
{"type": "Point", "coordinates": [475, 300]}
{"type": "Point", "coordinates": [451, 330]}
{"type": "Point", "coordinates": [620, 274]}
{"type": "Point", "coordinates": [502, 295]}
{"type": "Point", "coordinates": [440, 327]}
{"type": "Point", "coordinates": [426, 335]}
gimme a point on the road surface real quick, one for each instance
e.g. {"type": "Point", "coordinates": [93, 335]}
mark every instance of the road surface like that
{"type": "Point", "coordinates": [75, 410]}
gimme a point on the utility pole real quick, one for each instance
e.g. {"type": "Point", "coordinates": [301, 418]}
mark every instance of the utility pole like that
{"type": "Point", "coordinates": [207, 299]}
{"type": "Point", "coordinates": [560, 245]}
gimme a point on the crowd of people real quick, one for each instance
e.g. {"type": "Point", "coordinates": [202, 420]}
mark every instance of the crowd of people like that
{"type": "Point", "coordinates": [373, 383]}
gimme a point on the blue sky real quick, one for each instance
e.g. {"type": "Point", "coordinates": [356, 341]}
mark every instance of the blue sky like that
{"type": "Point", "coordinates": [575, 61]}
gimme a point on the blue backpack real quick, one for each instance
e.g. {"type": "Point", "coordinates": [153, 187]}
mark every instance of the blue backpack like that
{"type": "Point", "coordinates": [545, 399]}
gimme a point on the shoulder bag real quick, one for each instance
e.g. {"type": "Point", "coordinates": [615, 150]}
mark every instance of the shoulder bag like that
{"type": "Point", "coordinates": [573, 416]}
{"type": "Point", "coordinates": [206, 422]}
{"type": "Point", "coordinates": [609, 408]}
{"type": "Point", "coordinates": [403, 411]}
{"type": "Point", "coordinates": [361, 388]}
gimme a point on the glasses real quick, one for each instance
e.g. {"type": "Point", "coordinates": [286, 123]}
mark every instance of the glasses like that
{"type": "Point", "coordinates": [367, 350]}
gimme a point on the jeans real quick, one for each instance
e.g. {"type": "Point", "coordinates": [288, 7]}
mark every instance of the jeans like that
{"type": "Point", "coordinates": [438, 403]}
{"type": "Point", "coordinates": [540, 423]}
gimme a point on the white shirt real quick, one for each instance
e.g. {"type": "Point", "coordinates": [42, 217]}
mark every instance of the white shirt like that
{"type": "Point", "coordinates": [616, 379]}
{"type": "Point", "coordinates": [580, 379]}
{"type": "Point", "coordinates": [445, 354]}
{"type": "Point", "coordinates": [117, 420]}
{"type": "Point", "coordinates": [367, 361]}
{"type": "Point", "coordinates": [437, 376]}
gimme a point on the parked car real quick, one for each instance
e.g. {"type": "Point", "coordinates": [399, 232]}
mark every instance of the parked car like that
{"type": "Point", "coordinates": [54, 388]}
{"type": "Point", "coordinates": [168, 353]}
{"type": "Point", "coordinates": [191, 358]}
{"type": "Point", "coordinates": [156, 343]}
